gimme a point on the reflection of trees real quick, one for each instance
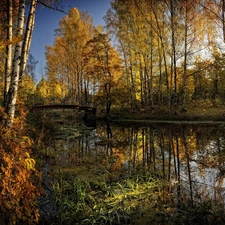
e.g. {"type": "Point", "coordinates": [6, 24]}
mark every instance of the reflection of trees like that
{"type": "Point", "coordinates": [170, 152]}
{"type": "Point", "coordinates": [178, 179]}
{"type": "Point", "coordinates": [162, 148]}
{"type": "Point", "coordinates": [133, 141]}
{"type": "Point", "coordinates": [180, 155]}
{"type": "Point", "coordinates": [185, 145]}
{"type": "Point", "coordinates": [152, 149]}
{"type": "Point", "coordinates": [148, 137]}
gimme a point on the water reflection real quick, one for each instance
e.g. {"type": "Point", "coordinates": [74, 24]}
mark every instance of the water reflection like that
{"type": "Point", "coordinates": [190, 157]}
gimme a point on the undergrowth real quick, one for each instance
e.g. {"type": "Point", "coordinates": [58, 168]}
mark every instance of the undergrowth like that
{"type": "Point", "coordinates": [18, 174]}
{"type": "Point", "coordinates": [134, 200]}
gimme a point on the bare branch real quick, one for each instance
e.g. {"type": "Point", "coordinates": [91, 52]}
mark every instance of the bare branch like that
{"type": "Point", "coordinates": [50, 7]}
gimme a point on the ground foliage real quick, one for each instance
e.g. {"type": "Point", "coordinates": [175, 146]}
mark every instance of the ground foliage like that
{"type": "Point", "coordinates": [138, 199]}
{"type": "Point", "coordinates": [18, 174]}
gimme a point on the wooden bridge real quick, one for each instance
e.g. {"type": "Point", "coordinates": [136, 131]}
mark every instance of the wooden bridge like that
{"type": "Point", "coordinates": [90, 112]}
{"type": "Point", "coordinates": [61, 106]}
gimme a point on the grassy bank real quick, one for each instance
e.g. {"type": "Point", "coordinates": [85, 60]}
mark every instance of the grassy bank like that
{"type": "Point", "coordinates": [195, 112]}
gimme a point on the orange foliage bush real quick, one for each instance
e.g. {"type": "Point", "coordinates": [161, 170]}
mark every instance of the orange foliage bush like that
{"type": "Point", "coordinates": [18, 193]}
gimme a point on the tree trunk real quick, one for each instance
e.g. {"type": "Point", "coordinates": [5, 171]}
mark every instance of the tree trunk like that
{"type": "Point", "coordinates": [132, 88]}
{"type": "Point", "coordinates": [223, 19]}
{"type": "Point", "coordinates": [185, 60]}
{"type": "Point", "coordinates": [151, 79]}
{"type": "Point", "coordinates": [172, 11]}
{"type": "Point", "coordinates": [108, 98]}
{"type": "Point", "coordinates": [28, 37]}
{"type": "Point", "coordinates": [12, 93]}
{"type": "Point", "coordinates": [8, 61]}
{"type": "Point", "coordinates": [142, 85]}
{"type": "Point", "coordinates": [160, 93]}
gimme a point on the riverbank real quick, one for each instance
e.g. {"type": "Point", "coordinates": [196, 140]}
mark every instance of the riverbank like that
{"type": "Point", "coordinates": [204, 114]}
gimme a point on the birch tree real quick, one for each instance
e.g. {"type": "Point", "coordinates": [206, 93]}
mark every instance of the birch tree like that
{"type": "Point", "coordinates": [215, 11]}
{"type": "Point", "coordinates": [65, 58]}
{"type": "Point", "coordinates": [12, 92]}
{"type": "Point", "coordinates": [28, 36]}
{"type": "Point", "coordinates": [8, 60]}
{"type": "Point", "coordinates": [15, 65]}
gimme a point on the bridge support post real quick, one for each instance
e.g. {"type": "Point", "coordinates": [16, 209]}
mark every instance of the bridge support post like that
{"type": "Point", "coordinates": [90, 117]}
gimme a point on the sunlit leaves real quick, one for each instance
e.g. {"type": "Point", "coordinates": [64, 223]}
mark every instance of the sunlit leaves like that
{"type": "Point", "coordinates": [103, 66]}
{"type": "Point", "coordinates": [159, 41]}
{"type": "Point", "coordinates": [15, 40]}
{"type": "Point", "coordinates": [27, 89]}
{"type": "Point", "coordinates": [43, 88]}
{"type": "Point", "coordinates": [65, 59]}
{"type": "Point", "coordinates": [18, 194]}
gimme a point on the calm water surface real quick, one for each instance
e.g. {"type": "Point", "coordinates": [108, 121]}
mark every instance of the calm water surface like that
{"type": "Point", "coordinates": [190, 155]}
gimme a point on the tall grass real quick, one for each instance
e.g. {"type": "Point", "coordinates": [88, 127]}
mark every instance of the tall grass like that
{"type": "Point", "coordinates": [134, 200]}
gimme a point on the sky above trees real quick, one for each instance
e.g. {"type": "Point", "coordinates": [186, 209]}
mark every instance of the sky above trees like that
{"type": "Point", "coordinates": [47, 21]}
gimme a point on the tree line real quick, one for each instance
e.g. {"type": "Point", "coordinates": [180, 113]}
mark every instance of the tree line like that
{"type": "Point", "coordinates": [16, 32]}
{"type": "Point", "coordinates": [150, 54]}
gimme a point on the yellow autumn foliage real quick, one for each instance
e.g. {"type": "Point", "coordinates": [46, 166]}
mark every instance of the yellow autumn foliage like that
{"type": "Point", "coordinates": [4, 43]}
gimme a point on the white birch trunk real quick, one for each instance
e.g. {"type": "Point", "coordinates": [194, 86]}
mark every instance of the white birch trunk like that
{"type": "Point", "coordinates": [28, 36]}
{"type": "Point", "coordinates": [12, 93]}
{"type": "Point", "coordinates": [20, 57]}
{"type": "Point", "coordinates": [8, 60]}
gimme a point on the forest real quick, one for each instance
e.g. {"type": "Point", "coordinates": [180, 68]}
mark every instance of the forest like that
{"type": "Point", "coordinates": [158, 56]}
{"type": "Point", "coordinates": [153, 60]}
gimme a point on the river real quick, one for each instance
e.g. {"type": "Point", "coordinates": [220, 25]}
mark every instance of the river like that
{"type": "Point", "coordinates": [188, 157]}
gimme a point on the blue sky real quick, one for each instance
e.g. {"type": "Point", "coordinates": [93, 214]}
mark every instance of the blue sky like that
{"type": "Point", "coordinates": [47, 21]}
